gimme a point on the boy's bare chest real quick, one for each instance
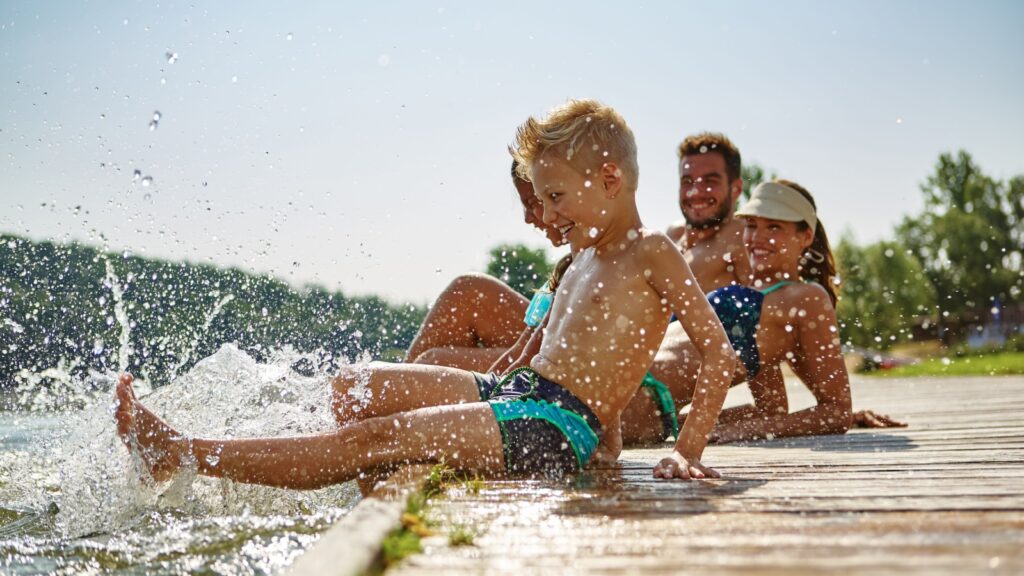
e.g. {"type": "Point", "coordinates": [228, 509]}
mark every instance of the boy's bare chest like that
{"type": "Point", "coordinates": [602, 287]}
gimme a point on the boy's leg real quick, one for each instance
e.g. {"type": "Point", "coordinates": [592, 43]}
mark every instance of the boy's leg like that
{"type": "Point", "coordinates": [473, 311]}
{"type": "Point", "coordinates": [466, 437]}
{"type": "Point", "coordinates": [393, 388]}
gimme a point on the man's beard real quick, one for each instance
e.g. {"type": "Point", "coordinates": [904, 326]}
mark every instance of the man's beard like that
{"type": "Point", "coordinates": [715, 219]}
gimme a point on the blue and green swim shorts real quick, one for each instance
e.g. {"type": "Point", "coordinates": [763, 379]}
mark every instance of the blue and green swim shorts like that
{"type": "Point", "coordinates": [666, 410]}
{"type": "Point", "coordinates": [545, 429]}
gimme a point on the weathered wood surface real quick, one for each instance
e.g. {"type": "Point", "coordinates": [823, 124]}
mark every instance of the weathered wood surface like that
{"type": "Point", "coordinates": [944, 496]}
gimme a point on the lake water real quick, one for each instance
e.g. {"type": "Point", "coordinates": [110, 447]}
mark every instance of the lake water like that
{"type": "Point", "coordinates": [71, 497]}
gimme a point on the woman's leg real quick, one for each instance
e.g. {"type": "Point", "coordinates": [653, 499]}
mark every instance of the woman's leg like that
{"type": "Point", "coordinates": [467, 358]}
{"type": "Point", "coordinates": [474, 311]}
{"type": "Point", "coordinates": [466, 437]}
{"type": "Point", "coordinates": [379, 389]}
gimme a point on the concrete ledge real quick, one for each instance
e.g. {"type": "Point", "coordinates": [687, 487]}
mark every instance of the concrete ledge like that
{"type": "Point", "coordinates": [353, 543]}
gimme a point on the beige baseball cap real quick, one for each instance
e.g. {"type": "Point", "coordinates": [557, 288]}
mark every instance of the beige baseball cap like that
{"type": "Point", "coordinates": [779, 202]}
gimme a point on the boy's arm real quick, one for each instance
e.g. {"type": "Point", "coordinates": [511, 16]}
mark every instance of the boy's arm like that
{"type": "Point", "coordinates": [821, 368]}
{"type": "Point", "coordinates": [506, 362]}
{"type": "Point", "coordinates": [525, 348]}
{"type": "Point", "coordinates": [672, 279]}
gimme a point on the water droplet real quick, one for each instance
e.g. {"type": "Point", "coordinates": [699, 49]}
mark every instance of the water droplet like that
{"type": "Point", "coordinates": [147, 181]}
{"type": "Point", "coordinates": [172, 57]}
{"type": "Point", "coordinates": [703, 149]}
{"type": "Point", "coordinates": [103, 116]}
{"type": "Point", "coordinates": [212, 459]}
{"type": "Point", "coordinates": [593, 232]}
{"type": "Point", "coordinates": [153, 125]}
{"type": "Point", "coordinates": [234, 79]}
{"type": "Point", "coordinates": [110, 320]}
{"type": "Point", "coordinates": [586, 184]}
{"type": "Point", "coordinates": [157, 115]}
{"type": "Point", "coordinates": [899, 120]}
{"type": "Point", "coordinates": [437, 270]}
{"type": "Point", "coordinates": [288, 37]}
{"type": "Point", "coordinates": [383, 60]}
{"type": "Point", "coordinates": [632, 234]}
{"type": "Point", "coordinates": [264, 311]}
{"type": "Point", "coordinates": [136, 175]}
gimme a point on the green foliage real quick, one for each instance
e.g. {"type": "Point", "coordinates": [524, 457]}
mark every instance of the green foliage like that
{"type": "Point", "coordinates": [753, 174]}
{"type": "Point", "coordinates": [884, 291]}
{"type": "Point", "coordinates": [999, 364]}
{"type": "Point", "coordinates": [969, 238]}
{"type": "Point", "coordinates": [460, 535]}
{"type": "Point", "coordinates": [398, 545]}
{"type": "Point", "coordinates": [521, 267]}
{"type": "Point", "coordinates": [59, 307]}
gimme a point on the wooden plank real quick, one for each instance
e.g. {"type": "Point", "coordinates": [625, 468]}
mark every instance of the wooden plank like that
{"type": "Point", "coordinates": [945, 496]}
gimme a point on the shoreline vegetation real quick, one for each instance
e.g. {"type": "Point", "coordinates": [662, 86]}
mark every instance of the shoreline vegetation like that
{"type": "Point", "coordinates": [68, 309]}
{"type": "Point", "coordinates": [984, 364]}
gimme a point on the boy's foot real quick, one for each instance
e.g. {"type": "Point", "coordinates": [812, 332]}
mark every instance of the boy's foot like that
{"type": "Point", "coordinates": [160, 446]}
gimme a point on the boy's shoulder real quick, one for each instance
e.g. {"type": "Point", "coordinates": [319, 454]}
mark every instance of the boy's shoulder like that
{"type": "Point", "coordinates": [653, 240]}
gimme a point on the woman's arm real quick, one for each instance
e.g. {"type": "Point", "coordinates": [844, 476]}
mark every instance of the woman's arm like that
{"type": "Point", "coordinates": [769, 392]}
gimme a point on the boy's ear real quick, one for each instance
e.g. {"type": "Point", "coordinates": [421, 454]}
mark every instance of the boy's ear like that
{"type": "Point", "coordinates": [611, 179]}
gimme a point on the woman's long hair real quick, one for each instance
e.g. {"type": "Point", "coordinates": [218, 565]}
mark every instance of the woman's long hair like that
{"type": "Point", "coordinates": [817, 263]}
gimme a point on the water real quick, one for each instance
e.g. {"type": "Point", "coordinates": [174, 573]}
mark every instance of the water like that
{"type": "Point", "coordinates": [71, 500]}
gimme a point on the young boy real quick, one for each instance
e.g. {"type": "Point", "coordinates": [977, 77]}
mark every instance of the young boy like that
{"type": "Point", "coordinates": [605, 324]}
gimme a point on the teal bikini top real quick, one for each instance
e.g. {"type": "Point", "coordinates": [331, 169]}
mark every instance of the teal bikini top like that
{"type": "Point", "coordinates": [739, 310]}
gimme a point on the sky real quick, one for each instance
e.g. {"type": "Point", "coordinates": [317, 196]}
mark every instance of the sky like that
{"type": "Point", "coordinates": [363, 147]}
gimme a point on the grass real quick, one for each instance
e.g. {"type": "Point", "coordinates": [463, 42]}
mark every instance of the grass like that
{"type": "Point", "coordinates": [998, 364]}
{"type": "Point", "coordinates": [416, 525]}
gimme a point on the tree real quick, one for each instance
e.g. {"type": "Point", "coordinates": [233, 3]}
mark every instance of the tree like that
{"type": "Point", "coordinates": [969, 238]}
{"type": "Point", "coordinates": [884, 292]}
{"type": "Point", "coordinates": [521, 267]}
{"type": "Point", "coordinates": [753, 174]}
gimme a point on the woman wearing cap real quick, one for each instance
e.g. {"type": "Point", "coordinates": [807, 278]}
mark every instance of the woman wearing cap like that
{"type": "Point", "coordinates": [786, 314]}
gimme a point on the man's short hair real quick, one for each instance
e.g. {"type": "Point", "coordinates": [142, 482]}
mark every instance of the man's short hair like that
{"type": "Point", "coordinates": [707, 142]}
{"type": "Point", "coordinates": [586, 134]}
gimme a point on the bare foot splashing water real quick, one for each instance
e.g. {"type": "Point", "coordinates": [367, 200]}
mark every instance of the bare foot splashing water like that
{"type": "Point", "coordinates": [74, 494]}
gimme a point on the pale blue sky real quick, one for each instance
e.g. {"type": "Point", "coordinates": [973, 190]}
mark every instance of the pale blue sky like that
{"type": "Point", "coordinates": [363, 147]}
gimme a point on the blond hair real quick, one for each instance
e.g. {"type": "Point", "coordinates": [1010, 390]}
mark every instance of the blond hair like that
{"type": "Point", "coordinates": [585, 133]}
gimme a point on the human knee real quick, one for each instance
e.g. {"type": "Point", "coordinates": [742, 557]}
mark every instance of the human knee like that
{"type": "Point", "coordinates": [349, 394]}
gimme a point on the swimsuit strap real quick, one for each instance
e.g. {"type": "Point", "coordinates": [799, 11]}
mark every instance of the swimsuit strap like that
{"type": "Point", "coordinates": [776, 286]}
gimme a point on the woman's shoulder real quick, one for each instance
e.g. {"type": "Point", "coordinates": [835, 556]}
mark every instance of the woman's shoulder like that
{"type": "Point", "coordinates": [805, 296]}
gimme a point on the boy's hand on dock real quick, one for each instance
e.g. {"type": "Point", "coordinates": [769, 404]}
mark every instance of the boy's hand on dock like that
{"type": "Point", "coordinates": [679, 466]}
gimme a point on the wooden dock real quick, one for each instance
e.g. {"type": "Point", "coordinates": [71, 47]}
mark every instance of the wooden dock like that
{"type": "Point", "coordinates": [944, 496]}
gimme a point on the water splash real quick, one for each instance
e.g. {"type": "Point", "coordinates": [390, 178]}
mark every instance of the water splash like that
{"type": "Point", "coordinates": [76, 493]}
{"type": "Point", "coordinates": [124, 349]}
{"type": "Point", "coordinates": [186, 355]}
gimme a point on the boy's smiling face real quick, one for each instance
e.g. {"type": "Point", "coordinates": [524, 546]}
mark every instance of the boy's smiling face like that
{"type": "Point", "coordinates": [573, 203]}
